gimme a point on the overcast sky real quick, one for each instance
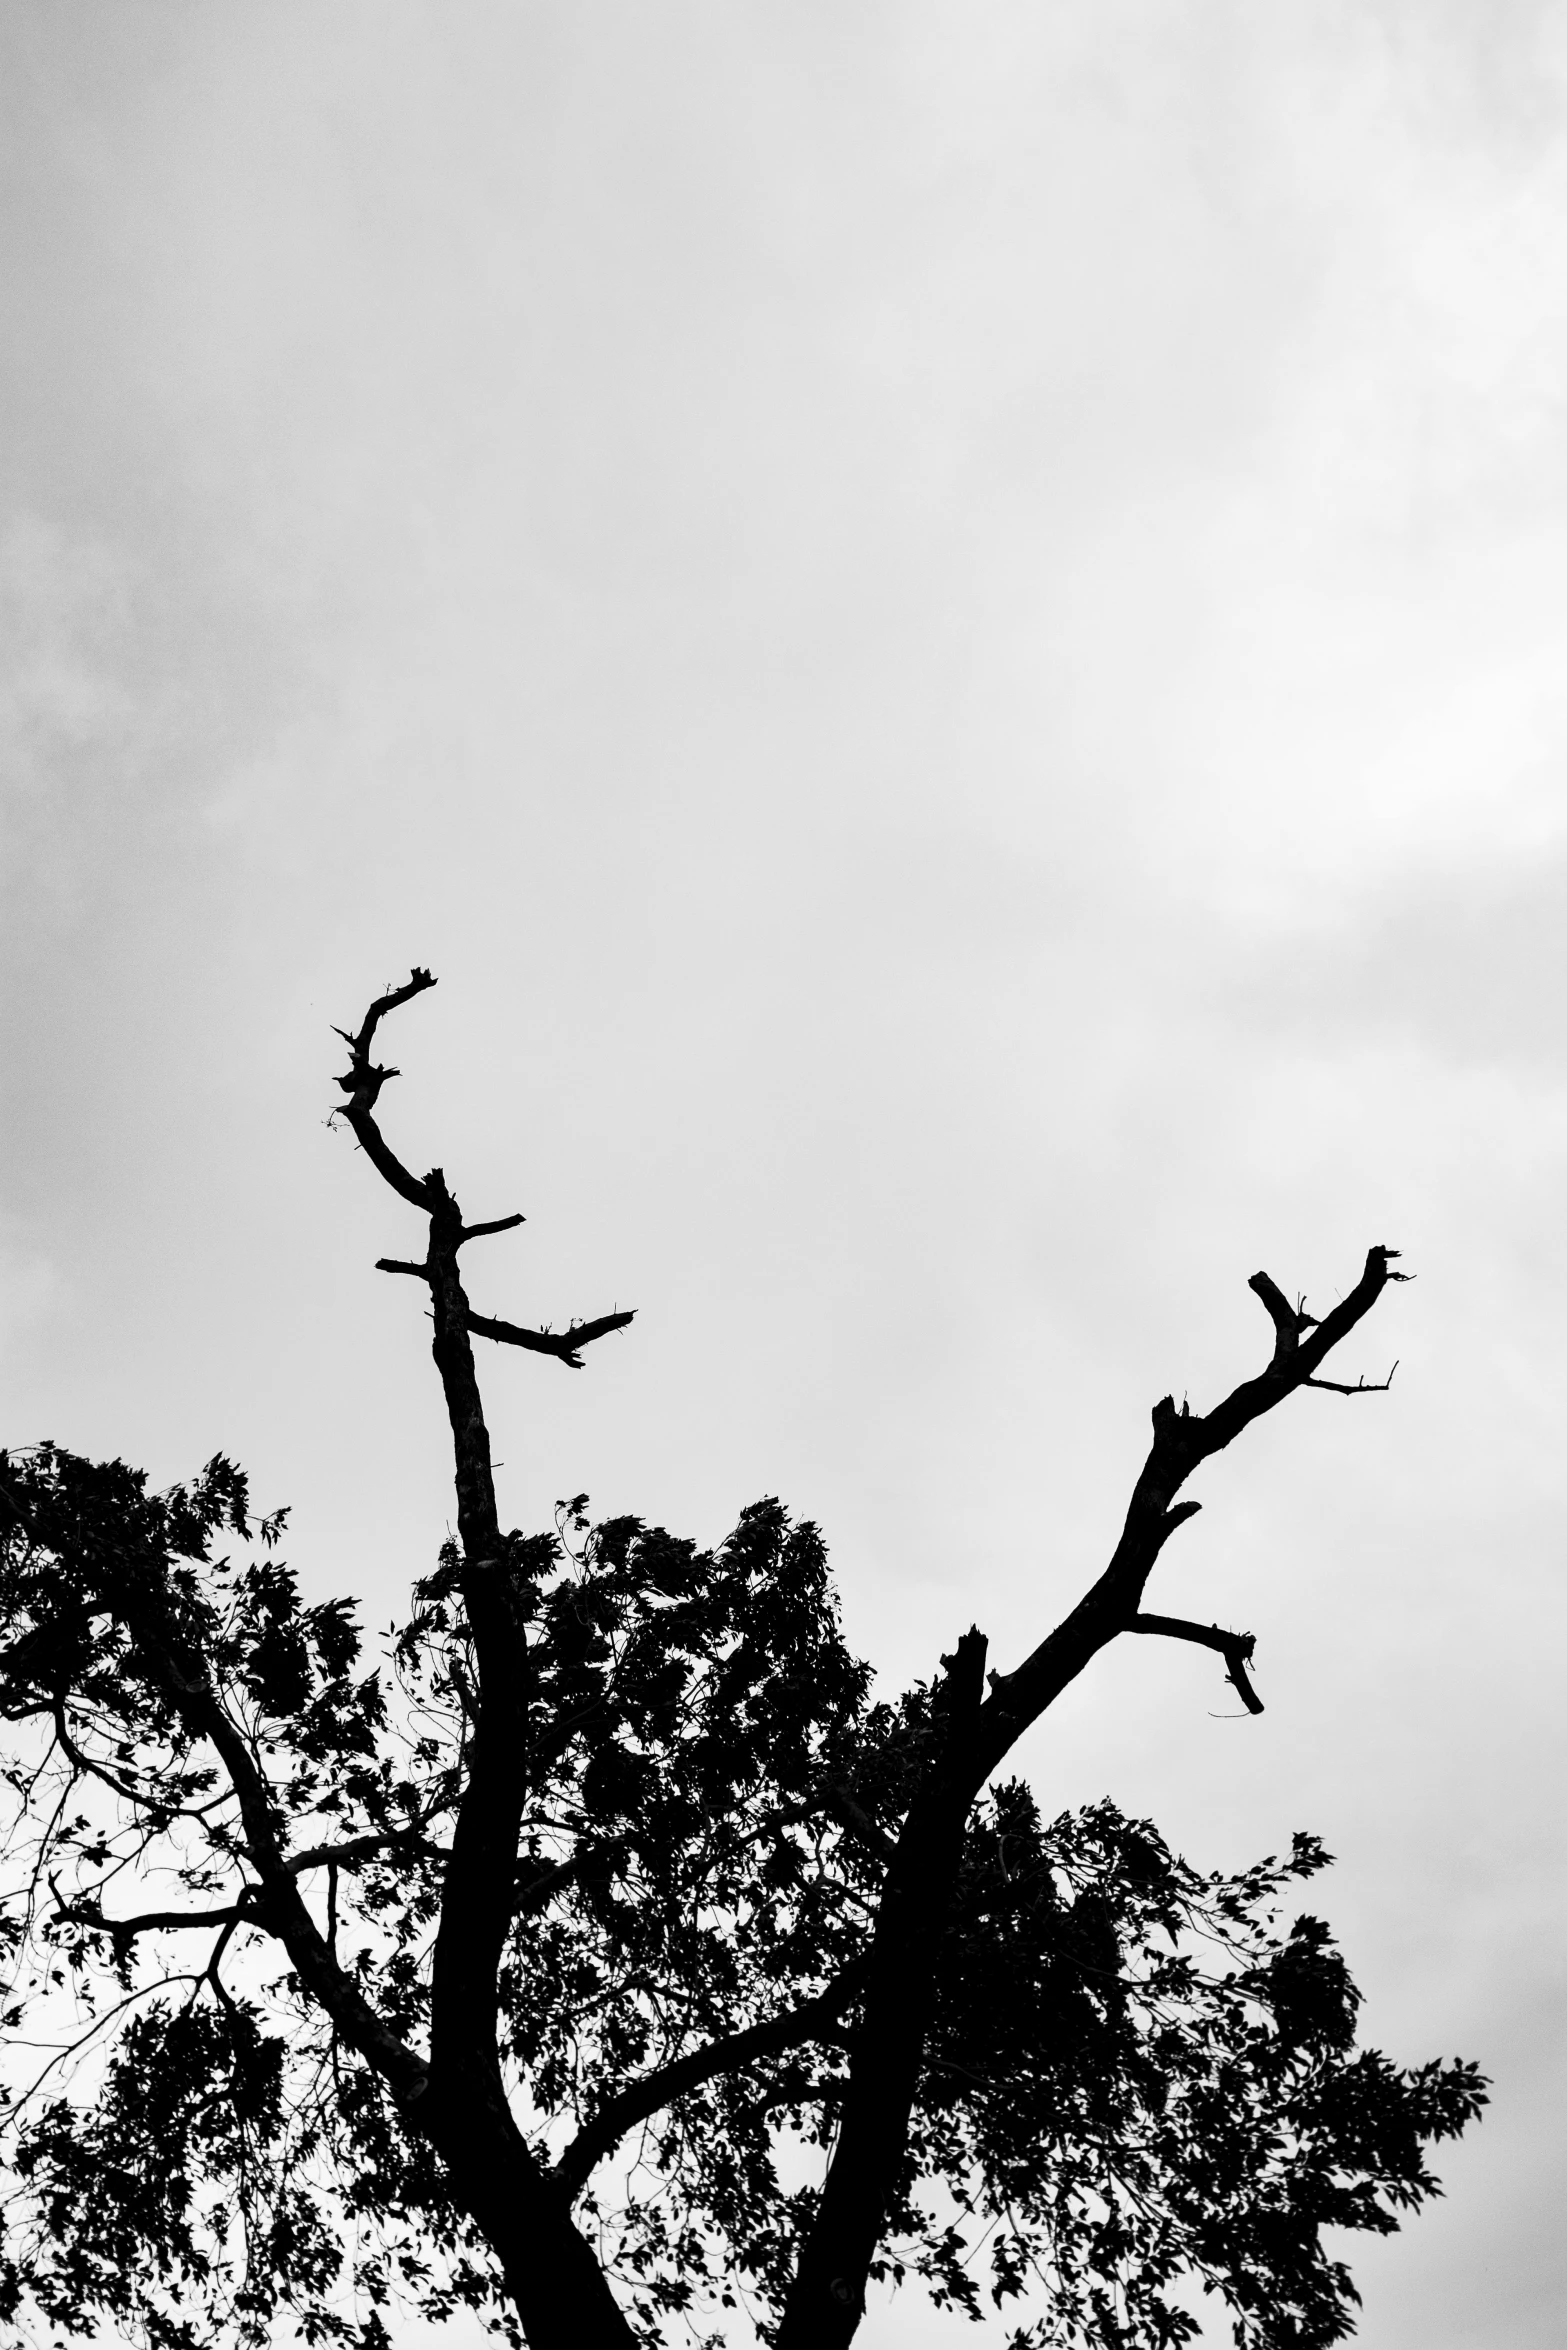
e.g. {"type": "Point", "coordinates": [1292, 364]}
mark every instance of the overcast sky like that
{"type": "Point", "coordinates": [947, 625]}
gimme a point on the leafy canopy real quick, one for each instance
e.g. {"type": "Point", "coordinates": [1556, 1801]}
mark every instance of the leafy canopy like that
{"type": "Point", "coordinates": [1138, 2071]}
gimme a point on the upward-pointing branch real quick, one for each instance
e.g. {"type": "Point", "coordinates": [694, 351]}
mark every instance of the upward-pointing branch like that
{"type": "Point", "coordinates": [1288, 1321]}
{"type": "Point", "coordinates": [827, 2298]}
{"type": "Point", "coordinates": [464, 2109]}
{"type": "Point", "coordinates": [363, 1085]}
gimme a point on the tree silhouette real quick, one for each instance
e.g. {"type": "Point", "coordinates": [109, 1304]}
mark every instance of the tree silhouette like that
{"type": "Point", "coordinates": [605, 1960]}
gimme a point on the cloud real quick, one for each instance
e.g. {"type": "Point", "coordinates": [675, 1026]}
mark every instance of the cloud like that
{"type": "Point", "coordinates": [30, 1288]}
{"type": "Point", "coordinates": [1470, 966]}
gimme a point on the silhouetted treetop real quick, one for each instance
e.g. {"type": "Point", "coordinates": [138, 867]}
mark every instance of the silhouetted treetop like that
{"type": "Point", "coordinates": [602, 1955]}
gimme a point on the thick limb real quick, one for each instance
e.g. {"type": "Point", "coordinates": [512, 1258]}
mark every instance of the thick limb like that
{"type": "Point", "coordinates": [551, 2272]}
{"type": "Point", "coordinates": [827, 2299]}
{"type": "Point", "coordinates": [1235, 1648]}
{"type": "Point", "coordinates": [562, 1344]}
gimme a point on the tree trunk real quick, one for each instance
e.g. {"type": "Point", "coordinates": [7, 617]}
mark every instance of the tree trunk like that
{"type": "Point", "coordinates": [827, 2298]}
{"type": "Point", "coordinates": [552, 2273]}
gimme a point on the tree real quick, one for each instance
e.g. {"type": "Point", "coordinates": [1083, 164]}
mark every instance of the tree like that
{"type": "Point", "coordinates": [606, 1958]}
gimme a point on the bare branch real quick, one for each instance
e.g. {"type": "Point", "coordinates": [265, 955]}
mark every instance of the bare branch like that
{"type": "Point", "coordinates": [562, 1344]}
{"type": "Point", "coordinates": [1235, 1648]}
{"type": "Point", "coordinates": [403, 1265]}
{"type": "Point", "coordinates": [1361, 1387]}
{"type": "Point", "coordinates": [1253, 1397]}
{"type": "Point", "coordinates": [363, 1085]}
{"type": "Point", "coordinates": [416, 984]}
{"type": "Point", "coordinates": [1172, 1519]}
{"type": "Point", "coordinates": [1182, 1441]}
{"type": "Point", "coordinates": [149, 1921]}
{"type": "Point", "coordinates": [480, 1870]}
{"type": "Point", "coordinates": [1288, 1321]}
{"type": "Point", "coordinates": [977, 1735]}
{"type": "Point", "coordinates": [498, 1224]}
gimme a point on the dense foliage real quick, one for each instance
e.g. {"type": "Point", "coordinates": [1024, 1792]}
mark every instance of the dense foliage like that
{"type": "Point", "coordinates": [1138, 2072]}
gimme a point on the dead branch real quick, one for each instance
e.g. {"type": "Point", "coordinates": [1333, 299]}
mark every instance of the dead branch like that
{"type": "Point", "coordinates": [1182, 1441]}
{"type": "Point", "coordinates": [979, 1731]}
{"type": "Point", "coordinates": [461, 2103]}
{"type": "Point", "coordinates": [147, 1922]}
{"type": "Point", "coordinates": [1235, 1648]}
{"type": "Point", "coordinates": [1362, 1386]}
{"type": "Point", "coordinates": [363, 1085]}
{"type": "Point", "coordinates": [497, 1224]}
{"type": "Point", "coordinates": [1288, 1321]}
{"type": "Point", "coordinates": [562, 1344]}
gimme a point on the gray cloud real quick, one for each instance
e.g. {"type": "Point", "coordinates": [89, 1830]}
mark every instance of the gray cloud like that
{"type": "Point", "coordinates": [1469, 967]}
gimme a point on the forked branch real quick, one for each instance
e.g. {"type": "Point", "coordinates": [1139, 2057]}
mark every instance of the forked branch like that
{"type": "Point", "coordinates": [448, 1233]}
{"type": "Point", "coordinates": [1289, 1322]}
